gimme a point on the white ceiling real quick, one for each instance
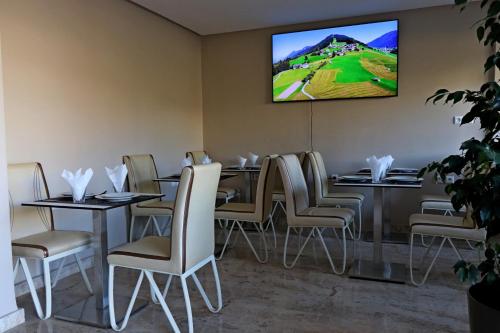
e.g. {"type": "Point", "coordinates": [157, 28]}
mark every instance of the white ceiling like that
{"type": "Point", "coordinates": [207, 17]}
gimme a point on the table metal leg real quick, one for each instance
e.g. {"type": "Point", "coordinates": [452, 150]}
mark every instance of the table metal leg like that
{"type": "Point", "coordinates": [377, 269]}
{"type": "Point", "coordinates": [94, 310]}
{"type": "Point", "coordinates": [386, 217]}
{"type": "Point", "coordinates": [378, 200]}
{"type": "Point", "coordinates": [248, 186]}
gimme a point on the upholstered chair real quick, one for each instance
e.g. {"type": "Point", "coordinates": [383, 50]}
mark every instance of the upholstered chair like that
{"type": "Point", "coordinates": [319, 219]}
{"type": "Point", "coordinates": [223, 192]}
{"type": "Point", "coordinates": [189, 248]}
{"type": "Point", "coordinates": [324, 198]}
{"type": "Point", "coordinates": [441, 203]}
{"type": "Point", "coordinates": [446, 228]}
{"type": "Point", "coordinates": [436, 203]}
{"type": "Point", "coordinates": [279, 199]}
{"type": "Point", "coordinates": [34, 236]}
{"type": "Point", "coordinates": [257, 213]}
{"type": "Point", "coordinates": [141, 174]}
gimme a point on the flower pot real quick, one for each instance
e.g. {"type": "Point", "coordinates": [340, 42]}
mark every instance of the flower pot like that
{"type": "Point", "coordinates": [484, 308]}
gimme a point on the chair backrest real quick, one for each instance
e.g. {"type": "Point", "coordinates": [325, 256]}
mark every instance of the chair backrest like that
{"type": "Point", "coordinates": [319, 175]}
{"type": "Point", "coordinates": [196, 156]}
{"type": "Point", "coordinates": [278, 184]}
{"type": "Point", "coordinates": [192, 238]}
{"type": "Point", "coordinates": [265, 185]}
{"type": "Point", "coordinates": [141, 172]}
{"type": "Point", "coordinates": [297, 198]}
{"type": "Point", "coordinates": [27, 183]}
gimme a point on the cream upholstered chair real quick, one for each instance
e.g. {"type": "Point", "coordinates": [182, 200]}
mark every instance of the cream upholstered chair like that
{"type": "Point", "coordinates": [448, 228]}
{"type": "Point", "coordinates": [279, 199]}
{"type": "Point", "coordinates": [190, 247]}
{"type": "Point", "coordinates": [256, 213]}
{"type": "Point", "coordinates": [324, 198]}
{"type": "Point", "coordinates": [223, 192]}
{"type": "Point", "coordinates": [437, 202]}
{"type": "Point", "coordinates": [141, 172]}
{"type": "Point", "coordinates": [34, 235]}
{"type": "Point", "coordinates": [300, 215]}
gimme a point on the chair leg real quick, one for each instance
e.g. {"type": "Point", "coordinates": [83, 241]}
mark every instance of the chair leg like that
{"type": "Point", "coordinates": [217, 285]}
{"type": "Point", "coordinates": [146, 227]}
{"type": "Point", "coordinates": [163, 304]}
{"type": "Point", "coordinates": [131, 231]}
{"type": "Point", "coordinates": [112, 318]}
{"type": "Point", "coordinates": [155, 224]}
{"type": "Point", "coordinates": [275, 206]}
{"type": "Point", "coordinates": [360, 223]}
{"type": "Point", "coordinates": [260, 230]}
{"type": "Point", "coordinates": [301, 248]}
{"type": "Point", "coordinates": [48, 289]}
{"type": "Point", "coordinates": [430, 266]}
{"type": "Point", "coordinates": [16, 267]}
{"type": "Point", "coordinates": [32, 289]}
{"type": "Point", "coordinates": [271, 222]}
{"type": "Point", "coordinates": [344, 251]}
{"type": "Point", "coordinates": [84, 274]}
{"type": "Point", "coordinates": [58, 272]}
{"type": "Point", "coordinates": [282, 207]}
{"type": "Point", "coordinates": [185, 292]}
{"type": "Point", "coordinates": [227, 241]}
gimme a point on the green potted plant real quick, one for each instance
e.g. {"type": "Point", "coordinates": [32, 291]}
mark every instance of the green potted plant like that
{"type": "Point", "coordinates": [478, 186]}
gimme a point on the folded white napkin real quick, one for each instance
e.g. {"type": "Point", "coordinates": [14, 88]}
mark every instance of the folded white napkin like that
{"type": "Point", "coordinates": [206, 160]}
{"type": "Point", "coordinates": [186, 162]}
{"type": "Point", "coordinates": [117, 176]}
{"type": "Point", "coordinates": [241, 161]}
{"type": "Point", "coordinates": [78, 181]}
{"type": "Point", "coordinates": [253, 158]}
{"type": "Point", "coordinates": [379, 166]}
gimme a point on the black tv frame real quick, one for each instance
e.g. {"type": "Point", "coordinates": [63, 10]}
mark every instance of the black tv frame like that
{"type": "Point", "coordinates": [338, 98]}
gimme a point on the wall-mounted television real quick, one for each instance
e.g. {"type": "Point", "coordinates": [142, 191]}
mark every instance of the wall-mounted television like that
{"type": "Point", "coordinates": [352, 61]}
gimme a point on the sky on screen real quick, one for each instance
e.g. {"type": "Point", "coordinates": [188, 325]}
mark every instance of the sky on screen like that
{"type": "Point", "coordinates": [284, 44]}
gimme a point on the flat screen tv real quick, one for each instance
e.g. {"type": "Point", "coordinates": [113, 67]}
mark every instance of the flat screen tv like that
{"type": "Point", "coordinates": [341, 62]}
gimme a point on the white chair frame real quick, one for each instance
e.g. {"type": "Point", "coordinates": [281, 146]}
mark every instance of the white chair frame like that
{"type": "Point", "coordinates": [318, 231]}
{"type": "Point", "coordinates": [447, 212]}
{"type": "Point", "coordinates": [155, 225]}
{"type": "Point", "coordinates": [260, 230]}
{"type": "Point", "coordinates": [21, 261]}
{"type": "Point", "coordinates": [159, 297]}
{"type": "Point", "coordinates": [433, 261]}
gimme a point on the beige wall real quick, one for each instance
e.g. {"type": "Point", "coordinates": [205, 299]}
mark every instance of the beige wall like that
{"type": "Point", "coordinates": [89, 81]}
{"type": "Point", "coordinates": [437, 49]}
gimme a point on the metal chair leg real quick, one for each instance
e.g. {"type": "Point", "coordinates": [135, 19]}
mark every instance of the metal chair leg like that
{"type": "Point", "coordinates": [210, 307]}
{"type": "Point", "coordinates": [301, 248]}
{"type": "Point", "coordinates": [262, 233]}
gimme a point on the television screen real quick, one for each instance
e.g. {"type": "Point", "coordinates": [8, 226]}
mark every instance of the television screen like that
{"type": "Point", "coordinates": [342, 62]}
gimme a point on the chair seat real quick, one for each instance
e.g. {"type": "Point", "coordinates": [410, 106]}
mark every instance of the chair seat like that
{"type": "Point", "coordinates": [279, 196]}
{"type": "Point", "coordinates": [236, 211]}
{"type": "Point", "coordinates": [155, 208]}
{"type": "Point", "coordinates": [445, 226]}
{"type": "Point", "coordinates": [49, 243]}
{"type": "Point", "coordinates": [438, 202]}
{"type": "Point", "coordinates": [340, 198]}
{"type": "Point", "coordinates": [151, 253]}
{"type": "Point", "coordinates": [324, 217]}
{"type": "Point", "coordinates": [226, 192]}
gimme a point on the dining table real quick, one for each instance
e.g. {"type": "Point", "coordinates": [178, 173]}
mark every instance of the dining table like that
{"type": "Point", "coordinates": [175, 178]}
{"type": "Point", "coordinates": [388, 236]}
{"type": "Point", "coordinates": [249, 172]}
{"type": "Point", "coordinates": [94, 309]}
{"type": "Point", "coordinates": [379, 269]}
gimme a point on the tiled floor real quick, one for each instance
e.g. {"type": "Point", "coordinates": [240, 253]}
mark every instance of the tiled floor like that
{"type": "Point", "coordinates": [269, 298]}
